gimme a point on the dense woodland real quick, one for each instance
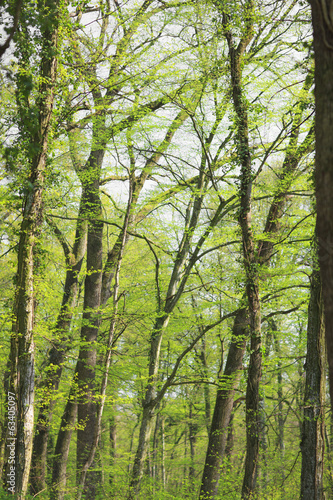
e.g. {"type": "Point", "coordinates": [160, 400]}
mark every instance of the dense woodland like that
{"type": "Point", "coordinates": [162, 320]}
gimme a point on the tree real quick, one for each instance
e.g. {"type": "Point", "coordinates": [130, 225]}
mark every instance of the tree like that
{"type": "Point", "coordinates": [22, 384]}
{"type": "Point", "coordinates": [312, 444]}
{"type": "Point", "coordinates": [172, 251]}
{"type": "Point", "coordinates": [322, 33]}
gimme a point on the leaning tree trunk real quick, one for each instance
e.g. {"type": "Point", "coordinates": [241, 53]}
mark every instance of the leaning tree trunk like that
{"type": "Point", "coordinates": [22, 383]}
{"type": "Point", "coordinates": [312, 444]}
{"type": "Point", "coordinates": [322, 20]}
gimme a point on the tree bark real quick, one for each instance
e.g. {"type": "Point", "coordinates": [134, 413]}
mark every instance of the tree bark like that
{"type": "Point", "coordinates": [223, 406]}
{"type": "Point", "coordinates": [193, 431]}
{"type": "Point", "coordinates": [252, 279]}
{"type": "Point", "coordinates": [113, 446]}
{"type": "Point", "coordinates": [22, 380]}
{"type": "Point", "coordinates": [61, 345]}
{"type": "Point", "coordinates": [91, 320]}
{"type": "Point", "coordinates": [265, 249]}
{"type": "Point", "coordinates": [313, 437]}
{"type": "Point", "coordinates": [280, 417]}
{"type": "Point", "coordinates": [61, 451]}
{"type": "Point", "coordinates": [323, 47]}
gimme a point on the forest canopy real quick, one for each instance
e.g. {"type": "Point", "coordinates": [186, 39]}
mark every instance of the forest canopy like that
{"type": "Point", "coordinates": [161, 301]}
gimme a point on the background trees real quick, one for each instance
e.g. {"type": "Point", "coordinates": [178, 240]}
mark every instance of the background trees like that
{"type": "Point", "coordinates": [172, 254]}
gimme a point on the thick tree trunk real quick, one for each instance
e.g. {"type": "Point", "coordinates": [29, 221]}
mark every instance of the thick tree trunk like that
{"type": "Point", "coordinates": [85, 368]}
{"type": "Point", "coordinates": [86, 364]}
{"type": "Point", "coordinates": [323, 47]}
{"type": "Point", "coordinates": [313, 438]}
{"type": "Point", "coordinates": [84, 477]}
{"type": "Point", "coordinates": [22, 380]}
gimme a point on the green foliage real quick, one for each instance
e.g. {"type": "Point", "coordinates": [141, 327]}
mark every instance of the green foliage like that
{"type": "Point", "coordinates": [149, 89]}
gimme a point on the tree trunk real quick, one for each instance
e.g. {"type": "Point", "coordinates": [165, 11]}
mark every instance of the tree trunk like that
{"type": "Point", "coordinates": [263, 446]}
{"type": "Point", "coordinates": [22, 380]}
{"type": "Point", "coordinates": [85, 368]}
{"type": "Point", "coordinates": [193, 431]}
{"type": "Point", "coordinates": [163, 473]}
{"type": "Point", "coordinates": [91, 320]}
{"type": "Point", "coordinates": [61, 345]}
{"type": "Point", "coordinates": [62, 449]}
{"type": "Point", "coordinates": [252, 280]}
{"type": "Point", "coordinates": [313, 438]}
{"type": "Point", "coordinates": [206, 386]}
{"type": "Point", "coordinates": [280, 417]}
{"type": "Point", "coordinates": [323, 48]}
{"type": "Point", "coordinates": [155, 451]}
{"type": "Point", "coordinates": [223, 407]}
{"type": "Point", "coordinates": [113, 446]}
{"type": "Point", "coordinates": [144, 437]}
{"type": "Point", "coordinates": [230, 438]}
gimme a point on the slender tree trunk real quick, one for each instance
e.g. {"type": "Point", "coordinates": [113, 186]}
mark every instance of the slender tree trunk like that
{"type": "Point", "coordinates": [61, 345]}
{"type": "Point", "coordinates": [230, 438]}
{"type": "Point", "coordinates": [329, 490]}
{"type": "Point", "coordinates": [193, 431]}
{"type": "Point", "coordinates": [163, 472]}
{"type": "Point", "coordinates": [252, 286]}
{"type": "Point", "coordinates": [22, 380]}
{"type": "Point", "coordinates": [155, 450]}
{"type": "Point", "coordinates": [175, 289]}
{"type": "Point", "coordinates": [223, 407]}
{"type": "Point", "coordinates": [312, 444]}
{"type": "Point", "coordinates": [323, 48]}
{"type": "Point", "coordinates": [144, 437]}
{"type": "Point", "coordinates": [263, 446]}
{"type": "Point", "coordinates": [280, 417]}
{"type": "Point", "coordinates": [62, 449]}
{"type": "Point", "coordinates": [206, 386]}
{"type": "Point", "coordinates": [113, 446]}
